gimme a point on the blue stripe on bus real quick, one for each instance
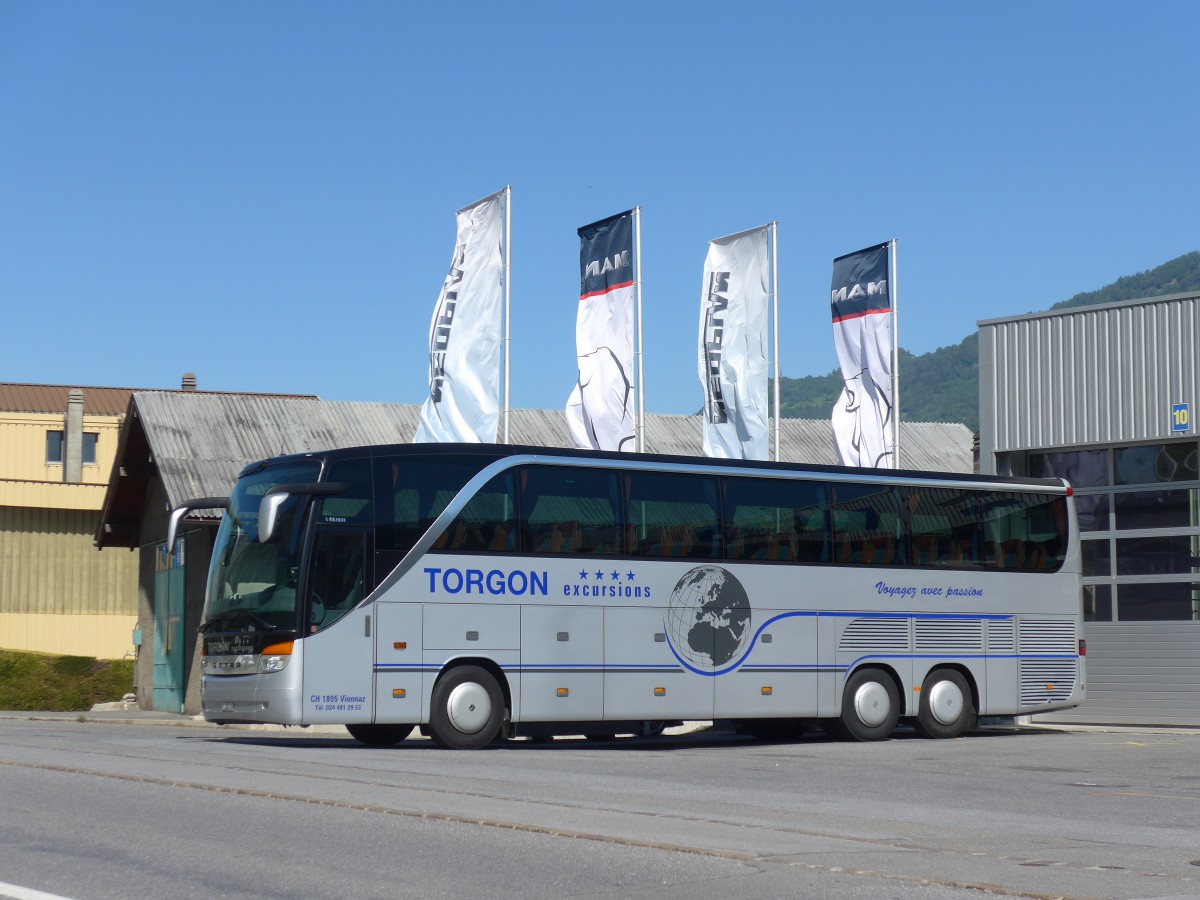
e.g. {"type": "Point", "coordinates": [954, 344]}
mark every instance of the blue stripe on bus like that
{"type": "Point", "coordinates": [739, 664]}
{"type": "Point", "coordinates": [601, 668]}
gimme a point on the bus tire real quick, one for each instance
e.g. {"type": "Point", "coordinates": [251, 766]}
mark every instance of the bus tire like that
{"type": "Point", "coordinates": [870, 705]}
{"type": "Point", "coordinates": [946, 708]}
{"type": "Point", "coordinates": [467, 709]}
{"type": "Point", "coordinates": [379, 735]}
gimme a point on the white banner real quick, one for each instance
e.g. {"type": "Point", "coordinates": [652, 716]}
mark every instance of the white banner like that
{"type": "Point", "coordinates": [733, 346]}
{"type": "Point", "coordinates": [862, 335]}
{"type": "Point", "coordinates": [600, 410]}
{"type": "Point", "coordinates": [465, 334]}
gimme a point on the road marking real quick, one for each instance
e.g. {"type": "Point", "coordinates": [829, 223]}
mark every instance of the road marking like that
{"type": "Point", "coordinates": [16, 892]}
{"type": "Point", "coordinates": [1142, 794]}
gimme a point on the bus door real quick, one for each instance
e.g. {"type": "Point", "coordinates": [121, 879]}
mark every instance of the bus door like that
{"type": "Point", "coordinates": [339, 646]}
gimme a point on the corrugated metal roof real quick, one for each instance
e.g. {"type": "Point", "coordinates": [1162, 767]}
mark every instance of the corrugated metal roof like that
{"type": "Point", "coordinates": [97, 401]}
{"type": "Point", "coordinates": [201, 441]}
{"type": "Point", "coordinates": [52, 398]}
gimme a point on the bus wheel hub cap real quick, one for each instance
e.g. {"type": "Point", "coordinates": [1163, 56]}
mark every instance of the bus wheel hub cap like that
{"type": "Point", "coordinates": [469, 707]}
{"type": "Point", "coordinates": [946, 702]}
{"type": "Point", "coordinates": [872, 704]}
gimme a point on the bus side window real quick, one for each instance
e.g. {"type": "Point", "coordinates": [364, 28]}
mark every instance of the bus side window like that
{"type": "Point", "coordinates": [569, 510]}
{"type": "Point", "coordinates": [352, 505]}
{"type": "Point", "coordinates": [771, 520]}
{"type": "Point", "coordinates": [925, 529]}
{"type": "Point", "coordinates": [673, 515]}
{"type": "Point", "coordinates": [410, 492]}
{"type": "Point", "coordinates": [338, 579]}
{"type": "Point", "coordinates": [485, 523]}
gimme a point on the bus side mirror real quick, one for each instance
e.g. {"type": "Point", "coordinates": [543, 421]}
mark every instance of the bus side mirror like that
{"type": "Point", "coordinates": [183, 509]}
{"type": "Point", "coordinates": [268, 507]}
{"type": "Point", "coordinates": [268, 515]}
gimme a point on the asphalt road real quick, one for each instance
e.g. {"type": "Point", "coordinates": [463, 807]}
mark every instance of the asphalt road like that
{"type": "Point", "coordinates": [97, 810]}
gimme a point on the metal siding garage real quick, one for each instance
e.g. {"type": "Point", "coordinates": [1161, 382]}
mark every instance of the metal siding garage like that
{"type": "Point", "coordinates": [1106, 396]}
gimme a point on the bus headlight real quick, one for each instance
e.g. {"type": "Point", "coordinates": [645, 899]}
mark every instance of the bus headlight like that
{"type": "Point", "coordinates": [272, 663]}
{"type": "Point", "coordinates": [274, 657]}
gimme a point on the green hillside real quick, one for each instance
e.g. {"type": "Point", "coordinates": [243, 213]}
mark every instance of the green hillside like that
{"type": "Point", "coordinates": [943, 385]}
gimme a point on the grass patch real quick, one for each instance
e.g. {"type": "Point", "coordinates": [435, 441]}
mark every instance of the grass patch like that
{"type": "Point", "coordinates": [43, 681]}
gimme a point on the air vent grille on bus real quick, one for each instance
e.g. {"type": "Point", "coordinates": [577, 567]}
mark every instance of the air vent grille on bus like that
{"type": "Point", "coordinates": [875, 634]}
{"type": "Point", "coordinates": [949, 634]}
{"type": "Point", "coordinates": [1001, 636]}
{"type": "Point", "coordinates": [1046, 680]}
{"type": "Point", "coordinates": [1047, 636]}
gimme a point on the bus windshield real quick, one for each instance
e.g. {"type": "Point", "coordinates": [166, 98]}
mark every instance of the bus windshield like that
{"type": "Point", "coordinates": [253, 586]}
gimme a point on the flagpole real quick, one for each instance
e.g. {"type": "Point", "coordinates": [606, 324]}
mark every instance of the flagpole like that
{"type": "Point", "coordinates": [895, 293]}
{"type": "Point", "coordinates": [775, 324]}
{"type": "Point", "coordinates": [637, 293]}
{"type": "Point", "coordinates": [507, 304]}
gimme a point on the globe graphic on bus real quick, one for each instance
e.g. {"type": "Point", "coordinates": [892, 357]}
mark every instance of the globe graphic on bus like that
{"type": "Point", "coordinates": [708, 616]}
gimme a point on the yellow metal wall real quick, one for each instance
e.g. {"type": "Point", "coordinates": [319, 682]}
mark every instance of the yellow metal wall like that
{"type": "Point", "coordinates": [23, 447]}
{"type": "Point", "coordinates": [58, 593]}
{"type": "Point", "coordinates": [102, 637]}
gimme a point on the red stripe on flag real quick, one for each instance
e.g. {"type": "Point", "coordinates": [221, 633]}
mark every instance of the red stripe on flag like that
{"type": "Point", "coordinates": [859, 315]}
{"type": "Point", "coordinates": [612, 287]}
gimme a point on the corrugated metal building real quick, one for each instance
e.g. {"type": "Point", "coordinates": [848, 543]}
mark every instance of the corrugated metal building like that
{"type": "Point", "coordinates": [176, 447]}
{"type": "Point", "coordinates": [1105, 396]}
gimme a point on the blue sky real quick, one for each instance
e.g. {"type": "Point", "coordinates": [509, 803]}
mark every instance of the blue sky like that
{"type": "Point", "coordinates": [264, 193]}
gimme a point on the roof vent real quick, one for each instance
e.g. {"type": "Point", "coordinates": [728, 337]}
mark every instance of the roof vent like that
{"type": "Point", "coordinates": [189, 381]}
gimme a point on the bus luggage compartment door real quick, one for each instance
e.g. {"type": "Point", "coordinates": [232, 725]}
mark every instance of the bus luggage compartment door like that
{"type": "Point", "coordinates": [562, 656]}
{"type": "Point", "coordinates": [398, 663]}
{"type": "Point", "coordinates": [643, 678]}
{"type": "Point", "coordinates": [774, 673]}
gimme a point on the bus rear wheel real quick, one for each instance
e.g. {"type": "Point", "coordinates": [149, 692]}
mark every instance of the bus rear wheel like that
{"type": "Point", "coordinates": [379, 735]}
{"type": "Point", "coordinates": [467, 709]}
{"type": "Point", "coordinates": [946, 709]}
{"type": "Point", "coordinates": [870, 706]}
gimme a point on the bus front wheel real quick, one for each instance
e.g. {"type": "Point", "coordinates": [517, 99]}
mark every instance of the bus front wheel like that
{"type": "Point", "coordinates": [870, 706]}
{"type": "Point", "coordinates": [467, 710]}
{"type": "Point", "coordinates": [946, 709]}
{"type": "Point", "coordinates": [379, 735]}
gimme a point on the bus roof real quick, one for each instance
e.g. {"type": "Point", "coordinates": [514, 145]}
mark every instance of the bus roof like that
{"type": "Point", "coordinates": [489, 453]}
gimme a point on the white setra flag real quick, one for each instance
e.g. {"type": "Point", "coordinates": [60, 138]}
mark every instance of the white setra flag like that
{"type": "Point", "coordinates": [465, 334]}
{"type": "Point", "coordinates": [600, 410]}
{"type": "Point", "coordinates": [733, 345]}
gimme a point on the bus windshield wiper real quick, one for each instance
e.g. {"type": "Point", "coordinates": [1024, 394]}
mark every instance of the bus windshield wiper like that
{"type": "Point", "coordinates": [235, 614]}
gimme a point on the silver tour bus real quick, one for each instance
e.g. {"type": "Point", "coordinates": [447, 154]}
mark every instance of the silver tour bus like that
{"type": "Point", "coordinates": [481, 592]}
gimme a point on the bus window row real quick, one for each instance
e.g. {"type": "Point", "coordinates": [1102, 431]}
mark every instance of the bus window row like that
{"type": "Point", "coordinates": [594, 512]}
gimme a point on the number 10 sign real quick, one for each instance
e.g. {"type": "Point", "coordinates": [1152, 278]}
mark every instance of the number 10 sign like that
{"type": "Point", "coordinates": [1181, 419]}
